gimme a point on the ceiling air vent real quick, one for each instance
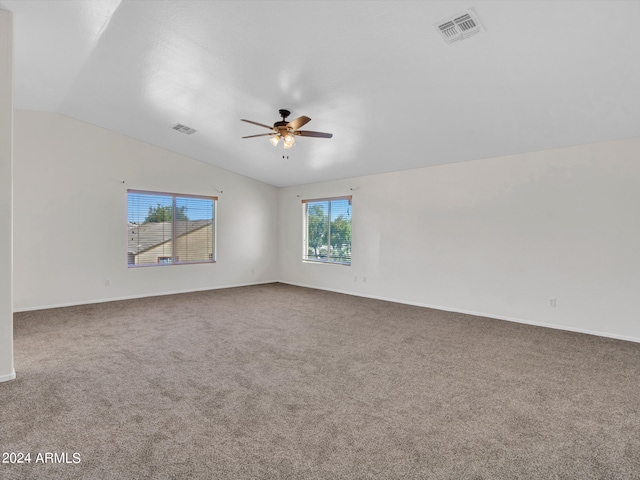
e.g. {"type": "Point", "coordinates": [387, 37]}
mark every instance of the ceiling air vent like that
{"type": "Point", "coordinates": [459, 27]}
{"type": "Point", "coordinates": [184, 129]}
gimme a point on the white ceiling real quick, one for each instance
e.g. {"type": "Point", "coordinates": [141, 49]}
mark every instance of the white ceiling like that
{"type": "Point", "coordinates": [543, 74]}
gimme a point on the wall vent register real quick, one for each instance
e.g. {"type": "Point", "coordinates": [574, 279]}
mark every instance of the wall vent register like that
{"type": "Point", "coordinates": [459, 27]}
{"type": "Point", "coordinates": [184, 129]}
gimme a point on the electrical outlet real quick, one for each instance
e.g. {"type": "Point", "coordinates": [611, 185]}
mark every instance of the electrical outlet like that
{"type": "Point", "coordinates": [552, 302]}
{"type": "Point", "coordinates": [355, 278]}
{"type": "Point", "coordinates": [107, 283]}
{"type": "Point", "coordinates": [364, 279]}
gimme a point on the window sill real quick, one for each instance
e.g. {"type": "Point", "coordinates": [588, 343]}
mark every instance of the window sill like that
{"type": "Point", "coordinates": [326, 262]}
{"type": "Point", "coordinates": [169, 264]}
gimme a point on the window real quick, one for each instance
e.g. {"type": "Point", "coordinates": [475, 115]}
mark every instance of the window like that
{"type": "Point", "coordinates": [327, 230]}
{"type": "Point", "coordinates": [169, 229]}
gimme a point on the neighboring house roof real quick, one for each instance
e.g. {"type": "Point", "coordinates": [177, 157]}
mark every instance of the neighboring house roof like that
{"type": "Point", "coordinates": [147, 235]}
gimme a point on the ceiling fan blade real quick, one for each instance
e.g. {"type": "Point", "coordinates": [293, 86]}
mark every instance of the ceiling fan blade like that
{"type": "Point", "coordinates": [256, 123]}
{"type": "Point", "coordinates": [298, 122]}
{"type": "Point", "coordinates": [260, 135]}
{"type": "Point", "coordinates": [309, 133]}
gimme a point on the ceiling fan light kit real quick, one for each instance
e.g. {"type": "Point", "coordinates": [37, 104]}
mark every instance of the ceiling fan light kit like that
{"type": "Point", "coordinates": [287, 130]}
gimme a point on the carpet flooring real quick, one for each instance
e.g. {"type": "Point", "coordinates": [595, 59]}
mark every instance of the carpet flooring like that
{"type": "Point", "coordinates": [282, 382]}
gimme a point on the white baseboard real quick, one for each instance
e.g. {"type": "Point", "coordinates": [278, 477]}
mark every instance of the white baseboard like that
{"type": "Point", "coordinates": [477, 314]}
{"type": "Point", "coordinates": [133, 297]}
{"type": "Point", "coordinates": [7, 377]}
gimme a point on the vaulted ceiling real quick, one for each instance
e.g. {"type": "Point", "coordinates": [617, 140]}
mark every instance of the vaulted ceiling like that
{"type": "Point", "coordinates": [377, 74]}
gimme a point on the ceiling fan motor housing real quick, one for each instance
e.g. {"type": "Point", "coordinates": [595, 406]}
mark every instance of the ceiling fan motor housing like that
{"type": "Point", "coordinates": [281, 126]}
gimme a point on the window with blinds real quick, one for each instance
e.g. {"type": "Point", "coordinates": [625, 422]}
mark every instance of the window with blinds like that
{"type": "Point", "coordinates": [166, 228]}
{"type": "Point", "coordinates": [327, 230]}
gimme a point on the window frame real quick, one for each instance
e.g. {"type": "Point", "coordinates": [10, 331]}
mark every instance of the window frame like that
{"type": "Point", "coordinates": [305, 230]}
{"type": "Point", "coordinates": [174, 254]}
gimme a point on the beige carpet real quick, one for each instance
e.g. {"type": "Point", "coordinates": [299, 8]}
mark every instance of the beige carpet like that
{"type": "Point", "coordinates": [281, 382]}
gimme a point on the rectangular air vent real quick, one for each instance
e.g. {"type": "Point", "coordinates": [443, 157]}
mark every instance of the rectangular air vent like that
{"type": "Point", "coordinates": [184, 129]}
{"type": "Point", "coordinates": [459, 27]}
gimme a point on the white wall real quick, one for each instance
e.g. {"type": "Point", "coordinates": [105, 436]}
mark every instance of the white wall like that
{"type": "Point", "coordinates": [6, 173]}
{"type": "Point", "coordinates": [70, 216]}
{"type": "Point", "coordinates": [499, 237]}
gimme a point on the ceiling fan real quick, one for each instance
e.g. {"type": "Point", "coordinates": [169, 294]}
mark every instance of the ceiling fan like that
{"type": "Point", "coordinates": [287, 130]}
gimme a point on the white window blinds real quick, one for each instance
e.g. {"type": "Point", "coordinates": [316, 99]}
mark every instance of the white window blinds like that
{"type": "Point", "coordinates": [166, 228]}
{"type": "Point", "coordinates": [327, 230]}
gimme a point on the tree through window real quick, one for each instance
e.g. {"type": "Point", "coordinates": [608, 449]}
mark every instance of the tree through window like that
{"type": "Point", "coordinates": [327, 230]}
{"type": "Point", "coordinates": [166, 228]}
